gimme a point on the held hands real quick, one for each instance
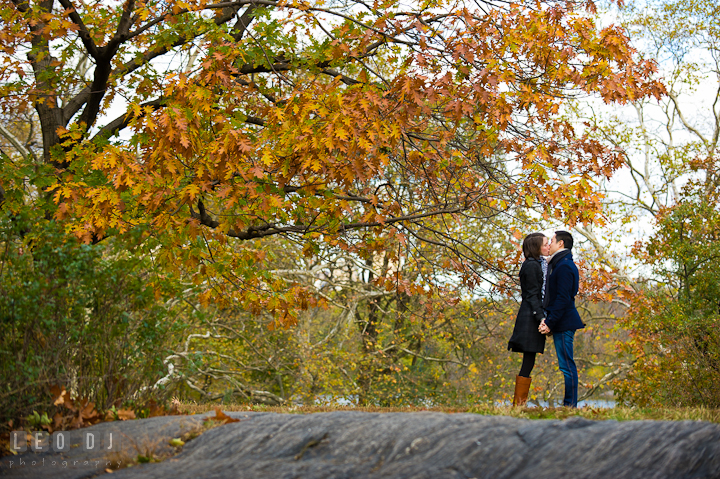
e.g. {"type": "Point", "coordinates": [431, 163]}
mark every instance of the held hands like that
{"type": "Point", "coordinates": [543, 328]}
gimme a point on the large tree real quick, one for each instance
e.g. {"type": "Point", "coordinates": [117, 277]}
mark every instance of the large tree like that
{"type": "Point", "coordinates": [357, 124]}
{"type": "Point", "coordinates": [670, 196]}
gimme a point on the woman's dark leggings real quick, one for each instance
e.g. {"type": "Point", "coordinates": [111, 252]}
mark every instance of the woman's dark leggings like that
{"type": "Point", "coordinates": [527, 365]}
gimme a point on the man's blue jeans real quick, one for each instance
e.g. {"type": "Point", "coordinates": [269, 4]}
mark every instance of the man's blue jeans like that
{"type": "Point", "coordinates": [564, 349]}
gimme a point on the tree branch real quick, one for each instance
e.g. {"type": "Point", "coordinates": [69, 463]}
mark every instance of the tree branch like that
{"type": "Point", "coordinates": [76, 102]}
{"type": "Point", "coordinates": [345, 79]}
{"type": "Point", "coordinates": [24, 152]}
{"type": "Point", "coordinates": [83, 32]}
{"type": "Point", "coordinates": [92, 96]}
{"type": "Point", "coordinates": [622, 368]}
{"type": "Point", "coordinates": [124, 120]}
{"type": "Point", "coordinates": [21, 5]}
{"type": "Point", "coordinates": [428, 358]}
{"type": "Point", "coordinates": [684, 122]}
{"type": "Point", "coordinates": [244, 21]}
{"type": "Point", "coordinates": [271, 229]}
{"type": "Point", "coordinates": [123, 29]}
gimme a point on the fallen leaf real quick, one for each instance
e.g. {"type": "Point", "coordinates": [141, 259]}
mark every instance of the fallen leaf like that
{"type": "Point", "coordinates": [156, 409]}
{"type": "Point", "coordinates": [89, 412]}
{"type": "Point", "coordinates": [58, 420]}
{"type": "Point", "coordinates": [221, 416]}
{"type": "Point", "coordinates": [125, 414]}
{"type": "Point", "coordinates": [60, 395]}
{"type": "Point", "coordinates": [176, 442]}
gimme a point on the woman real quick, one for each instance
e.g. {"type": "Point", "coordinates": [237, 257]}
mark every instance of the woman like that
{"type": "Point", "coordinates": [526, 338]}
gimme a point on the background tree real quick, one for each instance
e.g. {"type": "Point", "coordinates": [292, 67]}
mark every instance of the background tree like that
{"type": "Point", "coordinates": [666, 201]}
{"type": "Point", "coordinates": [399, 134]}
{"type": "Point", "coordinates": [674, 324]}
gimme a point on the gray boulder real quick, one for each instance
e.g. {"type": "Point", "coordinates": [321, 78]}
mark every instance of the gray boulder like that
{"type": "Point", "coordinates": [348, 444]}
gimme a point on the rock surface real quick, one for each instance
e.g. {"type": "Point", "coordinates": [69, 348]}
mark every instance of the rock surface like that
{"type": "Point", "coordinates": [429, 445]}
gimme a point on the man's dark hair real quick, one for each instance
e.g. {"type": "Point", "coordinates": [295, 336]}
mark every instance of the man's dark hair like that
{"type": "Point", "coordinates": [532, 245]}
{"type": "Point", "coordinates": [565, 237]}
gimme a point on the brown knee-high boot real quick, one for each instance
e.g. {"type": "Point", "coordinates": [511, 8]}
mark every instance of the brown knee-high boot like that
{"type": "Point", "coordinates": [522, 388]}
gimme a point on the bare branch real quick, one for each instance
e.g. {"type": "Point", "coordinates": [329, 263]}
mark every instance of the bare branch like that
{"type": "Point", "coordinates": [24, 152]}
{"type": "Point", "coordinates": [428, 358]}
{"type": "Point", "coordinates": [646, 148]}
{"type": "Point", "coordinates": [621, 369]}
{"type": "Point", "coordinates": [684, 122]}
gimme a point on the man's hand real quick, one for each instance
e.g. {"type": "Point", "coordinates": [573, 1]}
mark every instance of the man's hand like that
{"type": "Point", "coordinates": [543, 328]}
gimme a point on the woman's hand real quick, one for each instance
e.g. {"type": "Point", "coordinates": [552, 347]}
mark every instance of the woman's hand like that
{"type": "Point", "coordinates": [543, 328]}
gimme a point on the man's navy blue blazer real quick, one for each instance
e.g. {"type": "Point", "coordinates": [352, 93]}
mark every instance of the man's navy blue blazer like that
{"type": "Point", "coordinates": [561, 288]}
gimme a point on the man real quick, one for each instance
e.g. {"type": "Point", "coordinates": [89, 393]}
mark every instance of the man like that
{"type": "Point", "coordinates": [561, 316]}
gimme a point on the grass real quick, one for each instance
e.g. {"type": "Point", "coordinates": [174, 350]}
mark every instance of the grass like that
{"type": "Point", "coordinates": [618, 413]}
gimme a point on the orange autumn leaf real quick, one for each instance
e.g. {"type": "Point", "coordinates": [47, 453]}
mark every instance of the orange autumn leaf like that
{"type": "Point", "coordinates": [222, 417]}
{"type": "Point", "coordinates": [125, 414]}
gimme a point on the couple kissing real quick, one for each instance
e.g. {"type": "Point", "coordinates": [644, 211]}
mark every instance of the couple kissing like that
{"type": "Point", "coordinates": [549, 282]}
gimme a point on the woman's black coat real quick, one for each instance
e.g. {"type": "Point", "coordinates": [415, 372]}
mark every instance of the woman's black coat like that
{"type": "Point", "coordinates": [526, 338]}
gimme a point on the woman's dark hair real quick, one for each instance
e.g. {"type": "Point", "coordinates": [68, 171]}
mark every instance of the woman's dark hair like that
{"type": "Point", "coordinates": [532, 245]}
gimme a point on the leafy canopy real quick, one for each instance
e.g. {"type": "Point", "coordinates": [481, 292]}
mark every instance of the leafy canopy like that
{"type": "Point", "coordinates": [361, 125]}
